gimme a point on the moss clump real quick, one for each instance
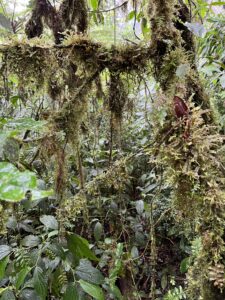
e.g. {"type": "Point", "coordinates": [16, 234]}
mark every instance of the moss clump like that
{"type": "Point", "coordinates": [28, 64]}
{"type": "Point", "coordinates": [117, 99]}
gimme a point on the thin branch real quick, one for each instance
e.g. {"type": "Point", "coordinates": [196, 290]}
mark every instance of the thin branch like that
{"type": "Point", "coordinates": [135, 19]}
{"type": "Point", "coordinates": [110, 9]}
{"type": "Point", "coordinates": [14, 10]}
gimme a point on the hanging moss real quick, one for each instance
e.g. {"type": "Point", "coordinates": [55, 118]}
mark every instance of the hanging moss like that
{"type": "Point", "coordinates": [117, 98]}
{"type": "Point", "coordinates": [71, 15]}
{"type": "Point", "coordinates": [74, 13]}
{"type": "Point", "coordinates": [29, 65]}
{"type": "Point", "coordinates": [44, 12]}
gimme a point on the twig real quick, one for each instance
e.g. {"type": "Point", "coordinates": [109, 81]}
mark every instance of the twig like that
{"type": "Point", "coordinates": [135, 19]}
{"type": "Point", "coordinates": [110, 9]}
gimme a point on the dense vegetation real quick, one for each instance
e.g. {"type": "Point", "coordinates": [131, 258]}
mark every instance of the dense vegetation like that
{"type": "Point", "coordinates": [112, 150]}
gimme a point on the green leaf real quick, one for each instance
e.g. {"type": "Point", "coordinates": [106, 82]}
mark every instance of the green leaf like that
{"type": "Point", "coordinates": [164, 281]}
{"type": "Point", "coordinates": [130, 15]}
{"type": "Point", "coordinates": [8, 295]}
{"type": "Point", "coordinates": [6, 168]}
{"type": "Point", "coordinates": [23, 124]}
{"type": "Point", "coordinates": [50, 222]}
{"type": "Point", "coordinates": [71, 293]}
{"type": "Point", "coordinates": [30, 241]}
{"type": "Point", "coordinates": [88, 273]}
{"type": "Point", "coordinates": [40, 283]}
{"type": "Point", "coordinates": [5, 22]}
{"type": "Point", "coordinates": [217, 3]}
{"type": "Point", "coordinates": [11, 150]}
{"type": "Point", "coordinates": [184, 265]}
{"type": "Point", "coordinates": [116, 292]}
{"type": "Point", "coordinates": [57, 250]}
{"type": "Point", "coordinates": [13, 183]}
{"type": "Point", "coordinates": [20, 277]}
{"type": "Point", "coordinates": [3, 264]}
{"type": "Point", "coordinates": [94, 4]}
{"type": "Point", "coordinates": [144, 27]}
{"type": "Point", "coordinates": [11, 223]}
{"type": "Point", "coordinates": [197, 28]}
{"type": "Point", "coordinates": [134, 252]}
{"type": "Point", "coordinates": [5, 250]}
{"type": "Point", "coordinates": [150, 187]}
{"type": "Point", "coordinates": [222, 81]}
{"type": "Point", "coordinates": [140, 206]}
{"type": "Point", "coordinates": [92, 290]}
{"type": "Point", "coordinates": [98, 231]}
{"type": "Point", "coordinates": [119, 250]}
{"type": "Point", "coordinates": [29, 294]}
{"type": "Point", "coordinates": [14, 100]}
{"type": "Point", "coordinates": [11, 193]}
{"type": "Point", "coordinates": [80, 247]}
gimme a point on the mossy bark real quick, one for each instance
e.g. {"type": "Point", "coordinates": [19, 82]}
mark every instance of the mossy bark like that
{"type": "Point", "coordinates": [174, 46]}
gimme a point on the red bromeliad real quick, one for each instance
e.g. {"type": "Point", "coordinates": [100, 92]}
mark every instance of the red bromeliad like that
{"type": "Point", "coordinates": [182, 112]}
{"type": "Point", "coordinates": [180, 107]}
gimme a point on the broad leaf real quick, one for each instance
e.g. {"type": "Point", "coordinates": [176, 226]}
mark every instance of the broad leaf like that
{"type": "Point", "coordinates": [57, 250]}
{"type": "Point", "coordinates": [31, 241]}
{"type": "Point", "coordinates": [184, 265]}
{"type": "Point", "coordinates": [98, 231]}
{"type": "Point", "coordinates": [197, 28]}
{"type": "Point", "coordinates": [94, 4]}
{"type": "Point", "coordinates": [164, 281]}
{"type": "Point", "coordinates": [14, 184]}
{"type": "Point", "coordinates": [5, 22]}
{"type": "Point", "coordinates": [134, 252]}
{"type": "Point", "coordinates": [88, 273]}
{"type": "Point", "coordinates": [92, 290]}
{"type": "Point", "coordinates": [140, 206]}
{"type": "Point", "coordinates": [222, 81]}
{"type": "Point", "coordinates": [8, 295]}
{"type": "Point", "coordinates": [40, 283]}
{"type": "Point", "coordinates": [130, 16]}
{"type": "Point", "coordinates": [11, 150]}
{"type": "Point", "coordinates": [217, 3]}
{"type": "Point", "coordinates": [23, 124]}
{"type": "Point", "coordinates": [20, 277]}
{"type": "Point", "coordinates": [80, 247]}
{"type": "Point", "coordinates": [29, 294]}
{"type": "Point", "coordinates": [3, 264]}
{"type": "Point", "coordinates": [5, 250]}
{"type": "Point", "coordinates": [71, 293]}
{"type": "Point", "coordinates": [49, 221]}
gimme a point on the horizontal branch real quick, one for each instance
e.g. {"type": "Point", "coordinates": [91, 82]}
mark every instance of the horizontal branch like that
{"type": "Point", "coordinates": [92, 54]}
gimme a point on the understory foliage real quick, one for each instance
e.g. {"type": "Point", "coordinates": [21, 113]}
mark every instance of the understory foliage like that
{"type": "Point", "coordinates": [106, 191]}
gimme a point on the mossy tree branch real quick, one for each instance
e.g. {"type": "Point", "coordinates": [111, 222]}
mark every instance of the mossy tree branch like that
{"type": "Point", "coordinates": [196, 178]}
